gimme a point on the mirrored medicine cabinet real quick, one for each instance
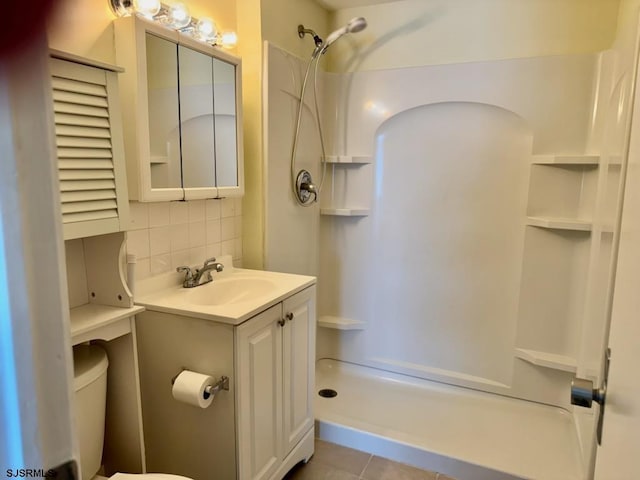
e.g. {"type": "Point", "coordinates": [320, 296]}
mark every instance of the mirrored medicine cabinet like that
{"type": "Point", "coordinates": [181, 114]}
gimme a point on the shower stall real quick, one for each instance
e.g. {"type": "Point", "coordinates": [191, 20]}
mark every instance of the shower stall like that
{"type": "Point", "coordinates": [465, 244]}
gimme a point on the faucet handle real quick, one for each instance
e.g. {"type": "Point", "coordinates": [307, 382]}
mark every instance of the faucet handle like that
{"type": "Point", "coordinates": [188, 273]}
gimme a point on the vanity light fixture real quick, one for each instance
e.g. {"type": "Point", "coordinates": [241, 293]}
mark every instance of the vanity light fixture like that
{"type": "Point", "coordinates": [176, 16]}
{"type": "Point", "coordinates": [206, 30]}
{"type": "Point", "coordinates": [147, 8]}
{"type": "Point", "coordinates": [228, 39]}
{"type": "Point", "coordinates": [122, 8]}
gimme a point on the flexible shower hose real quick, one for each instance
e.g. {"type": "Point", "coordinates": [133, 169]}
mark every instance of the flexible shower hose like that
{"type": "Point", "coordinates": [315, 57]}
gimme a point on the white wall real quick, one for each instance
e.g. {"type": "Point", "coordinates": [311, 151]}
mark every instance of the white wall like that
{"type": "Point", "coordinates": [417, 32]}
{"type": "Point", "coordinates": [447, 213]}
{"type": "Point", "coordinates": [291, 235]}
{"type": "Point", "coordinates": [280, 20]}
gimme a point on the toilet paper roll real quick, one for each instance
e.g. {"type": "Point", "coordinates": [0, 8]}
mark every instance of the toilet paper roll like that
{"type": "Point", "coordinates": [189, 387]}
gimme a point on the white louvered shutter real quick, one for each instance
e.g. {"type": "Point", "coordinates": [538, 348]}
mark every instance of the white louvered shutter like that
{"type": "Point", "coordinates": [89, 149]}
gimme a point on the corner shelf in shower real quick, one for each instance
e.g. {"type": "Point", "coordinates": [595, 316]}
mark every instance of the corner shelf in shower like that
{"type": "Point", "coordinates": [340, 323]}
{"type": "Point", "coordinates": [560, 223]}
{"type": "Point", "coordinates": [548, 360]}
{"type": "Point", "coordinates": [345, 212]}
{"type": "Point", "coordinates": [348, 159]}
{"type": "Point", "coordinates": [578, 160]}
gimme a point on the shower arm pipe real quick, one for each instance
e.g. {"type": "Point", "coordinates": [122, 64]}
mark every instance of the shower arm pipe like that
{"type": "Point", "coordinates": [302, 31]}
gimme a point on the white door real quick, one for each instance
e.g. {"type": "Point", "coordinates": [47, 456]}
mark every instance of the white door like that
{"type": "Point", "coordinates": [299, 339]}
{"type": "Point", "coordinates": [618, 458]}
{"type": "Point", "coordinates": [35, 344]}
{"type": "Point", "coordinates": [259, 394]}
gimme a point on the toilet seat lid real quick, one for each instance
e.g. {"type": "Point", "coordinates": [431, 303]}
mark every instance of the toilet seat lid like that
{"type": "Point", "coordinates": [147, 476]}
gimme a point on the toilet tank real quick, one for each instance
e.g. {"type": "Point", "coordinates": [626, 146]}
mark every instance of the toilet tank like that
{"type": "Point", "coordinates": [90, 385]}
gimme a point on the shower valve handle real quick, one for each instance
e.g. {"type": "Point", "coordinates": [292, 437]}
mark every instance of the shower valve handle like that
{"type": "Point", "coordinates": [311, 188]}
{"type": "Point", "coordinates": [305, 188]}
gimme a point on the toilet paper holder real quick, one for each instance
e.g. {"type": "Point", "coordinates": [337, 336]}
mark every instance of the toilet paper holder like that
{"type": "Point", "coordinates": [221, 384]}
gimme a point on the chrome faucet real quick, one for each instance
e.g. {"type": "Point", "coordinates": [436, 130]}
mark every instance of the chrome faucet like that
{"type": "Point", "coordinates": [193, 278]}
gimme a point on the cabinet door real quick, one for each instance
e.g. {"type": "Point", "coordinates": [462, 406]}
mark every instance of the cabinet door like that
{"type": "Point", "coordinates": [197, 128]}
{"type": "Point", "coordinates": [259, 384]}
{"type": "Point", "coordinates": [299, 337]}
{"type": "Point", "coordinates": [91, 163]}
{"type": "Point", "coordinates": [164, 155]}
{"type": "Point", "coordinates": [226, 119]}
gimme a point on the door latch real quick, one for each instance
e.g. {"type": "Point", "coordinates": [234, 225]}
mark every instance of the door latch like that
{"type": "Point", "coordinates": [583, 393]}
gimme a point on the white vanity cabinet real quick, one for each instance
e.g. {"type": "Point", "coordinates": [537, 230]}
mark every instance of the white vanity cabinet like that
{"type": "Point", "coordinates": [182, 114]}
{"type": "Point", "coordinates": [275, 355]}
{"type": "Point", "coordinates": [265, 420]}
{"type": "Point", "coordinates": [91, 163]}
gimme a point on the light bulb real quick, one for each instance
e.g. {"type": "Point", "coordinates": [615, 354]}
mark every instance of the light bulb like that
{"type": "Point", "coordinates": [179, 15]}
{"type": "Point", "coordinates": [228, 39]}
{"type": "Point", "coordinates": [147, 8]}
{"type": "Point", "coordinates": [206, 30]}
{"type": "Point", "coordinates": [122, 8]}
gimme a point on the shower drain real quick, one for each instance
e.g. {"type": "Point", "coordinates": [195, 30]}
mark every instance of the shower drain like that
{"type": "Point", "coordinates": [327, 393]}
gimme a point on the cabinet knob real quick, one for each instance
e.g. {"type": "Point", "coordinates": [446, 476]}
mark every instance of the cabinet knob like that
{"type": "Point", "coordinates": [289, 316]}
{"type": "Point", "coordinates": [281, 322]}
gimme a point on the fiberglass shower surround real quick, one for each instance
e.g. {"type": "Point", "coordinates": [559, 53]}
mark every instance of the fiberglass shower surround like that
{"type": "Point", "coordinates": [465, 235]}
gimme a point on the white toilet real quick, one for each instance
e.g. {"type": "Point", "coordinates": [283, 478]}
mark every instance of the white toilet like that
{"type": "Point", "coordinates": [90, 385]}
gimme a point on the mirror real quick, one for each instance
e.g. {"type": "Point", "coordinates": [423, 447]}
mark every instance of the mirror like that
{"type": "Point", "coordinates": [197, 128]}
{"type": "Point", "coordinates": [192, 117]}
{"type": "Point", "coordinates": [224, 84]}
{"type": "Point", "coordinates": [182, 114]}
{"type": "Point", "coordinates": [164, 131]}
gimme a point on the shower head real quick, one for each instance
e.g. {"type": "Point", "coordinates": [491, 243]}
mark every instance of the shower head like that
{"type": "Point", "coordinates": [355, 25]}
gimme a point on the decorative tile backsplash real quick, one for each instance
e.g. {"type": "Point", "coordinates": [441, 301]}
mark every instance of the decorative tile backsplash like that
{"type": "Point", "coordinates": [166, 235]}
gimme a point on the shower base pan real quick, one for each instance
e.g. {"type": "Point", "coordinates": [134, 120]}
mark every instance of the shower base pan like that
{"type": "Point", "coordinates": [466, 434]}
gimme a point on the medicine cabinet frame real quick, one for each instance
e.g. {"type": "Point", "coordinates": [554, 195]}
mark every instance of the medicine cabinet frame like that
{"type": "Point", "coordinates": [131, 53]}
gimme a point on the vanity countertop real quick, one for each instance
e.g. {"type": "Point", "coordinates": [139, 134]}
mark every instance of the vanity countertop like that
{"type": "Point", "coordinates": [234, 295]}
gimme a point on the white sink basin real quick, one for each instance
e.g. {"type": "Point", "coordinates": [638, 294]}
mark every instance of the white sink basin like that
{"type": "Point", "coordinates": [234, 295]}
{"type": "Point", "coordinates": [230, 290]}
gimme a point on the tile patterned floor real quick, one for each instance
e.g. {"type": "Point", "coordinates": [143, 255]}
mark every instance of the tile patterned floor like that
{"type": "Point", "coordinates": [334, 462]}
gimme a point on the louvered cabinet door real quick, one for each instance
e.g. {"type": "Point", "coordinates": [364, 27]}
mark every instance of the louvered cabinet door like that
{"type": "Point", "coordinates": [89, 148]}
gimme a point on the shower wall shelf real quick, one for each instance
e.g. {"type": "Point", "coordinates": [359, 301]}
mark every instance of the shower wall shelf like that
{"type": "Point", "coordinates": [345, 212]}
{"type": "Point", "coordinates": [560, 223]}
{"type": "Point", "coordinates": [340, 323]}
{"type": "Point", "coordinates": [566, 160]}
{"type": "Point", "coordinates": [348, 186]}
{"type": "Point", "coordinates": [547, 360]}
{"type": "Point", "coordinates": [348, 159]}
